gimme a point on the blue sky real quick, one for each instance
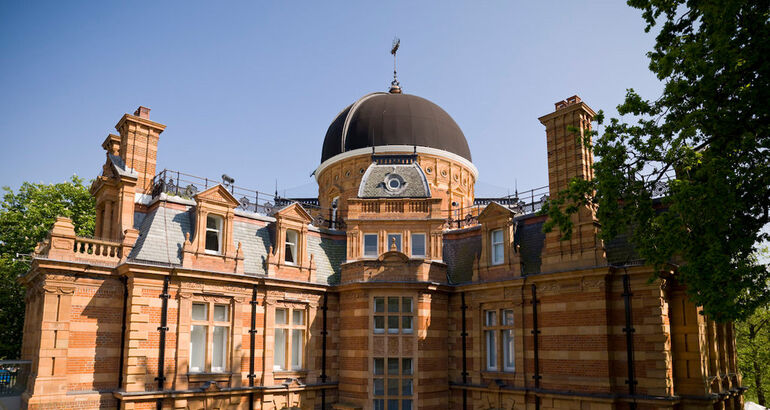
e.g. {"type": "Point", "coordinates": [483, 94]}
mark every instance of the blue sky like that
{"type": "Point", "coordinates": [249, 88]}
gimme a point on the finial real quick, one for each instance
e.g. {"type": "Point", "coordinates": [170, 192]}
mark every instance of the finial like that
{"type": "Point", "coordinates": [395, 87]}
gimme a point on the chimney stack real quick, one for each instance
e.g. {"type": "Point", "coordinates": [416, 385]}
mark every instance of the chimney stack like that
{"type": "Point", "coordinates": [139, 145]}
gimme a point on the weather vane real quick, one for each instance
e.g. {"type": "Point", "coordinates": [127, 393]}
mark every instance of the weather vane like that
{"type": "Point", "coordinates": [395, 87]}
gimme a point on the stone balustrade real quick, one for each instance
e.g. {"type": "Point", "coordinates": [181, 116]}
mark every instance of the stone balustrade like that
{"type": "Point", "coordinates": [402, 207]}
{"type": "Point", "coordinates": [63, 244]}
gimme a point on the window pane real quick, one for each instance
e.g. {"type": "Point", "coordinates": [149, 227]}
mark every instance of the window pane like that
{"type": "Point", "coordinates": [298, 317]}
{"type": "Point", "coordinates": [379, 404]}
{"type": "Point", "coordinates": [406, 305]}
{"type": "Point", "coordinates": [491, 350]}
{"type": "Point", "coordinates": [379, 324]}
{"type": "Point", "coordinates": [220, 313]}
{"type": "Point", "coordinates": [508, 352]}
{"type": "Point", "coordinates": [212, 241]}
{"type": "Point", "coordinates": [289, 253]}
{"type": "Point", "coordinates": [392, 404]}
{"type": "Point", "coordinates": [406, 324]}
{"type": "Point", "coordinates": [219, 349]}
{"type": "Point", "coordinates": [212, 222]}
{"type": "Point", "coordinates": [393, 387]}
{"type": "Point", "coordinates": [199, 311]}
{"type": "Point", "coordinates": [291, 236]}
{"type": "Point", "coordinates": [297, 344]}
{"type": "Point", "coordinates": [394, 238]}
{"type": "Point", "coordinates": [379, 387]}
{"type": "Point", "coordinates": [370, 245]}
{"type": "Point", "coordinates": [379, 366]}
{"type": "Point", "coordinates": [393, 366]}
{"type": "Point", "coordinates": [418, 244]}
{"type": "Point", "coordinates": [406, 387]}
{"type": "Point", "coordinates": [379, 305]}
{"type": "Point", "coordinates": [491, 318]}
{"type": "Point", "coordinates": [406, 366]}
{"type": "Point", "coordinates": [508, 317]}
{"type": "Point", "coordinates": [406, 404]}
{"type": "Point", "coordinates": [197, 348]}
{"type": "Point", "coordinates": [392, 324]}
{"type": "Point", "coordinates": [279, 357]}
{"type": "Point", "coordinates": [497, 236]}
{"type": "Point", "coordinates": [281, 316]}
{"type": "Point", "coordinates": [393, 305]}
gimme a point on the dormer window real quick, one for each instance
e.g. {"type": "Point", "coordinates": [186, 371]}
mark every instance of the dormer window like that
{"type": "Point", "coordinates": [214, 234]}
{"type": "Point", "coordinates": [496, 238]}
{"type": "Point", "coordinates": [290, 256]}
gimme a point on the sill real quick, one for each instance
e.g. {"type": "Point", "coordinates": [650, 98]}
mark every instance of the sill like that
{"type": "Point", "coordinates": [289, 374]}
{"type": "Point", "coordinates": [498, 373]}
{"type": "Point", "coordinates": [214, 253]}
{"type": "Point", "coordinates": [205, 377]}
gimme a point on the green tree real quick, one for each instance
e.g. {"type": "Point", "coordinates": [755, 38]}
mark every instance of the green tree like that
{"type": "Point", "coordinates": [708, 138]}
{"type": "Point", "coordinates": [753, 339]}
{"type": "Point", "coordinates": [26, 217]}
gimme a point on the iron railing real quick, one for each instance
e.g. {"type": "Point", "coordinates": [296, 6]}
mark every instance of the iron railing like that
{"type": "Point", "coordinates": [13, 377]}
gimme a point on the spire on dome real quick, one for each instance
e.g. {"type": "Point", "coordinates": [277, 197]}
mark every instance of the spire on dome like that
{"type": "Point", "coordinates": [395, 87]}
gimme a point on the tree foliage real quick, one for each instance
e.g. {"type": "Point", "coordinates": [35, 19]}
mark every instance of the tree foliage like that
{"type": "Point", "coordinates": [26, 217]}
{"type": "Point", "coordinates": [753, 340]}
{"type": "Point", "coordinates": [708, 138]}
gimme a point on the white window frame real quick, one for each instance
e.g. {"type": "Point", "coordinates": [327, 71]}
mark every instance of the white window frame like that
{"type": "Point", "coordinates": [292, 246]}
{"type": "Point", "coordinates": [424, 245]}
{"type": "Point", "coordinates": [490, 340]}
{"type": "Point", "coordinates": [376, 245]}
{"type": "Point", "coordinates": [220, 223]}
{"type": "Point", "coordinates": [290, 327]}
{"type": "Point", "coordinates": [210, 324]}
{"type": "Point", "coordinates": [499, 335]}
{"type": "Point", "coordinates": [508, 340]}
{"type": "Point", "coordinates": [494, 245]}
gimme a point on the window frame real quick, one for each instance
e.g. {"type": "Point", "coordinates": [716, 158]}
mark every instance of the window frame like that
{"type": "Point", "coordinates": [289, 327]}
{"type": "Point", "coordinates": [386, 377]}
{"type": "Point", "coordinates": [493, 245]}
{"type": "Point", "coordinates": [494, 333]}
{"type": "Point", "coordinates": [376, 245]}
{"type": "Point", "coordinates": [210, 324]}
{"type": "Point", "coordinates": [424, 245]}
{"type": "Point", "coordinates": [291, 245]}
{"type": "Point", "coordinates": [398, 316]}
{"type": "Point", "coordinates": [220, 222]}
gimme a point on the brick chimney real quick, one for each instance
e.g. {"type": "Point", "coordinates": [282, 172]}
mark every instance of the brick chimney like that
{"type": "Point", "coordinates": [139, 145]}
{"type": "Point", "coordinates": [568, 159]}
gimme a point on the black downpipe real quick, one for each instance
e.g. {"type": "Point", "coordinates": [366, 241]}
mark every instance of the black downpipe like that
{"type": "Point", "coordinates": [629, 331]}
{"type": "Point", "coordinates": [464, 335]}
{"type": "Point", "coordinates": [324, 332]}
{"type": "Point", "coordinates": [124, 280]}
{"type": "Point", "coordinates": [163, 328]}
{"type": "Point", "coordinates": [535, 332]}
{"type": "Point", "coordinates": [253, 335]}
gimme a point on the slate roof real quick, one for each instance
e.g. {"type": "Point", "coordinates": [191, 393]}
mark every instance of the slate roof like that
{"type": "Point", "coordinates": [412, 182]}
{"type": "Point", "coordinates": [530, 238]}
{"type": "Point", "coordinates": [162, 234]}
{"type": "Point", "coordinates": [459, 255]}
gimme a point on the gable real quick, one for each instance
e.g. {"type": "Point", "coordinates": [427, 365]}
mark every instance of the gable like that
{"type": "Point", "coordinates": [218, 195]}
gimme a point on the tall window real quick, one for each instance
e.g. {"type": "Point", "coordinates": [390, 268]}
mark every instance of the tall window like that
{"type": "Point", "coordinates": [499, 333]}
{"type": "Point", "coordinates": [213, 234]}
{"type": "Point", "coordinates": [393, 383]}
{"type": "Point", "coordinates": [394, 239]}
{"type": "Point", "coordinates": [418, 245]}
{"type": "Point", "coordinates": [290, 326]}
{"type": "Point", "coordinates": [209, 337]}
{"type": "Point", "coordinates": [370, 245]}
{"type": "Point", "coordinates": [396, 312]}
{"type": "Point", "coordinates": [292, 237]}
{"type": "Point", "coordinates": [496, 237]}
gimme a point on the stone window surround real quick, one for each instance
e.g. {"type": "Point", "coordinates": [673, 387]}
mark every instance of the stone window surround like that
{"type": "Point", "coordinates": [498, 329]}
{"type": "Point", "coordinates": [210, 323]}
{"type": "Point", "coordinates": [289, 326]}
{"type": "Point", "coordinates": [308, 354]}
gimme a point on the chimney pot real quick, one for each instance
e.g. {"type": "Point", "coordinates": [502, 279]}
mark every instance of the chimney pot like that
{"type": "Point", "coordinates": [142, 112]}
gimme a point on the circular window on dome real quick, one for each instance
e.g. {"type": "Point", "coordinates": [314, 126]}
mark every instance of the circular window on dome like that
{"type": "Point", "coordinates": [394, 183]}
{"type": "Point", "coordinates": [429, 170]}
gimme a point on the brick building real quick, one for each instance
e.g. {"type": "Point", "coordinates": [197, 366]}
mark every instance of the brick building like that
{"type": "Point", "coordinates": [396, 288]}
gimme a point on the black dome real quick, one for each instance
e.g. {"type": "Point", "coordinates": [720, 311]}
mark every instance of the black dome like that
{"type": "Point", "coordinates": [393, 119]}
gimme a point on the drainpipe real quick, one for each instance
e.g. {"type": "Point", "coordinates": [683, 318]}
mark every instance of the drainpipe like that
{"type": "Point", "coordinates": [535, 332]}
{"type": "Point", "coordinates": [629, 331]}
{"type": "Point", "coordinates": [324, 332]}
{"type": "Point", "coordinates": [163, 328]}
{"type": "Point", "coordinates": [123, 280]}
{"type": "Point", "coordinates": [252, 333]}
{"type": "Point", "coordinates": [464, 335]}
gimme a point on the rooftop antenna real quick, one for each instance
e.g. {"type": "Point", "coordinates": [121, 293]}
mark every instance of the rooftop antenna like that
{"type": "Point", "coordinates": [395, 87]}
